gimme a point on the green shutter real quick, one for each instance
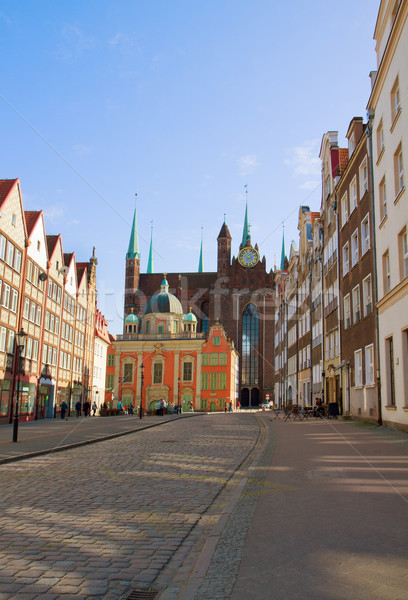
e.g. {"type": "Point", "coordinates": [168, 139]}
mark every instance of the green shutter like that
{"type": "Point", "coordinates": [204, 381]}
{"type": "Point", "coordinates": [223, 358]}
{"type": "Point", "coordinates": [213, 381]}
{"type": "Point", "coordinates": [223, 381]}
{"type": "Point", "coordinates": [214, 359]}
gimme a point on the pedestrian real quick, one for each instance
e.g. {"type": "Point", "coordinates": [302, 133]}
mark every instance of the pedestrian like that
{"type": "Point", "coordinates": [238, 405]}
{"type": "Point", "coordinates": [230, 407]}
{"type": "Point", "coordinates": [78, 408]}
{"type": "Point", "coordinates": [64, 408]}
{"type": "Point", "coordinates": [161, 407]}
{"type": "Point", "coordinates": [130, 409]}
{"type": "Point", "coordinates": [120, 406]}
{"type": "Point", "coordinates": [87, 408]}
{"type": "Point", "coordinates": [94, 408]}
{"type": "Point", "coordinates": [191, 406]}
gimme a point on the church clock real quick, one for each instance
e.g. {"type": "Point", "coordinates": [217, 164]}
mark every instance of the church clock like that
{"type": "Point", "coordinates": [248, 257]}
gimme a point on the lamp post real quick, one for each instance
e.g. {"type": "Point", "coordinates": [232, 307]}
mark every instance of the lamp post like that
{"type": "Point", "coordinates": [20, 347]}
{"type": "Point", "coordinates": [142, 368]}
{"type": "Point", "coordinates": [178, 397]}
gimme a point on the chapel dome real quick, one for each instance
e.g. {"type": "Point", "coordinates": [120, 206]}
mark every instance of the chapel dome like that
{"type": "Point", "coordinates": [190, 318]}
{"type": "Point", "coordinates": [164, 302]}
{"type": "Point", "coordinates": [131, 318]}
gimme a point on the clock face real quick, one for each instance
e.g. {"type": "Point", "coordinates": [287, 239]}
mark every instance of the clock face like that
{"type": "Point", "coordinates": [248, 257]}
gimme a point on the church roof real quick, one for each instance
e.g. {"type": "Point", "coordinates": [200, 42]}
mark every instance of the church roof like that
{"type": "Point", "coordinates": [132, 318]}
{"type": "Point", "coordinates": [190, 318]}
{"type": "Point", "coordinates": [224, 232]}
{"type": "Point", "coordinates": [133, 250]}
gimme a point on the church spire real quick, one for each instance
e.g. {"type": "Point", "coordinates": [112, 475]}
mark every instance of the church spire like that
{"type": "Point", "coordinates": [150, 265]}
{"type": "Point", "coordinates": [200, 262]}
{"type": "Point", "coordinates": [133, 250]}
{"type": "Point", "coordinates": [282, 263]}
{"type": "Point", "coordinates": [246, 234]}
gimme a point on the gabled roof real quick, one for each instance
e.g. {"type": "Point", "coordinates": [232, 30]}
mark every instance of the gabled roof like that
{"type": "Point", "coordinates": [81, 269]}
{"type": "Point", "coordinates": [31, 218]}
{"type": "Point", "coordinates": [52, 241]}
{"type": "Point", "coordinates": [6, 186]}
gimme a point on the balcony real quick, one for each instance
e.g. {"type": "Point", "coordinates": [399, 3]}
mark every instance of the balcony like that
{"type": "Point", "coordinates": [151, 337]}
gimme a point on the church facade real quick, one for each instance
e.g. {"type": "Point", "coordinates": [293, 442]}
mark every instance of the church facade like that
{"type": "Point", "coordinates": [239, 296]}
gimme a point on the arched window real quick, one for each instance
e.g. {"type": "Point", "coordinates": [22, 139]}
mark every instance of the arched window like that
{"type": "Point", "coordinates": [250, 345]}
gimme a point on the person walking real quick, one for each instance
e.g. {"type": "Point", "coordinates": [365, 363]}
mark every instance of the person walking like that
{"type": "Point", "coordinates": [87, 408]}
{"type": "Point", "coordinates": [64, 408]}
{"type": "Point", "coordinates": [94, 408]}
{"type": "Point", "coordinates": [161, 407]}
{"type": "Point", "coordinates": [78, 408]}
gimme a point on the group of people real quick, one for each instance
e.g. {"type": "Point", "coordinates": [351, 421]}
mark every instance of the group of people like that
{"type": "Point", "coordinates": [79, 408]}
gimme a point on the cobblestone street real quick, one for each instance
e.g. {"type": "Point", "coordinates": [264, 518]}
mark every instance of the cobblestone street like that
{"type": "Point", "coordinates": [103, 520]}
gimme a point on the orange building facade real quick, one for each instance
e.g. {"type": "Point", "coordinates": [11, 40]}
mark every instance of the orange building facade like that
{"type": "Point", "coordinates": [162, 357]}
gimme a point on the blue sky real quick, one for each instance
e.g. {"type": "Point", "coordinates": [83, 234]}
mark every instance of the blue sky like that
{"type": "Point", "coordinates": [183, 102]}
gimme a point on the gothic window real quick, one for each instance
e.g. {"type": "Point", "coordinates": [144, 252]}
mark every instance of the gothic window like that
{"type": "Point", "coordinates": [250, 345]}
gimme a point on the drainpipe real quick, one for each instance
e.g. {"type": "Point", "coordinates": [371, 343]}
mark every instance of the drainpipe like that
{"type": "Point", "coordinates": [369, 133]}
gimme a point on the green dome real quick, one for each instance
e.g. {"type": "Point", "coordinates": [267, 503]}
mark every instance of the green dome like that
{"type": "Point", "coordinates": [131, 318]}
{"type": "Point", "coordinates": [190, 318]}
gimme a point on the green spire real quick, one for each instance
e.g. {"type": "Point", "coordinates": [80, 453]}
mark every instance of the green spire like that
{"type": "Point", "coordinates": [282, 265]}
{"type": "Point", "coordinates": [150, 265]}
{"type": "Point", "coordinates": [246, 234]}
{"type": "Point", "coordinates": [133, 250]}
{"type": "Point", "coordinates": [200, 262]}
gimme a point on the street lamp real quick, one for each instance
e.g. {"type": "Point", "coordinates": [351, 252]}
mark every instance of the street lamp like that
{"type": "Point", "coordinates": [178, 397]}
{"type": "Point", "coordinates": [142, 368]}
{"type": "Point", "coordinates": [21, 336]}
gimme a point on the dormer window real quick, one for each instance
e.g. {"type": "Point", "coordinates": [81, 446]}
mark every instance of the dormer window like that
{"type": "Point", "coordinates": [351, 144]}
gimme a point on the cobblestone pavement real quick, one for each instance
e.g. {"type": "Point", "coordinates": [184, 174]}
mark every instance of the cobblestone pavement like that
{"type": "Point", "coordinates": [126, 514]}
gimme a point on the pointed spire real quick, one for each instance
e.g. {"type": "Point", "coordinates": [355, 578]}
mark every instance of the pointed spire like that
{"type": "Point", "coordinates": [246, 234]}
{"type": "Point", "coordinates": [133, 250]}
{"type": "Point", "coordinates": [200, 262]}
{"type": "Point", "coordinates": [150, 265]}
{"type": "Point", "coordinates": [282, 263]}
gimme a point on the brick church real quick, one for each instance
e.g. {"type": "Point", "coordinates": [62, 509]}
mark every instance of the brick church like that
{"type": "Point", "coordinates": [239, 295]}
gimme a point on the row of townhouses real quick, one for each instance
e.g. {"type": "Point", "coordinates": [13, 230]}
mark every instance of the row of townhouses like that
{"type": "Point", "coordinates": [48, 295]}
{"type": "Point", "coordinates": [341, 322]}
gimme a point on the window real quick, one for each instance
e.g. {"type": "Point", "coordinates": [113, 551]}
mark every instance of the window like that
{"type": "Point", "coordinates": [363, 177]}
{"type": "Point", "coordinates": [389, 366]}
{"type": "Point", "coordinates": [216, 341]}
{"type": "Point", "coordinates": [222, 381]}
{"type": "Point", "coordinates": [127, 373]}
{"type": "Point", "coordinates": [346, 260]}
{"type": "Point", "coordinates": [356, 304]}
{"type": "Point", "coordinates": [175, 326]}
{"type": "Point", "coordinates": [10, 342]}
{"type": "Point", "coordinates": [369, 365]}
{"type": "Point", "coordinates": [14, 219]}
{"type": "Point", "coordinates": [365, 235]}
{"type": "Point", "coordinates": [111, 360]}
{"type": "Point", "coordinates": [187, 371]}
{"type": "Point", "coordinates": [6, 295]}
{"type": "Point", "coordinates": [26, 311]}
{"type": "Point", "coordinates": [386, 272]}
{"type": "Point", "coordinates": [204, 381]}
{"type": "Point", "coordinates": [10, 254]}
{"type": "Point", "coordinates": [38, 316]}
{"type": "Point", "coordinates": [353, 194]}
{"type": "Point", "coordinates": [213, 381]}
{"type": "Point", "coordinates": [395, 101]}
{"type": "Point", "coordinates": [157, 373]}
{"type": "Point", "coordinates": [2, 246]}
{"type": "Point", "coordinates": [351, 144]}
{"type": "Point", "coordinates": [347, 313]}
{"type": "Point", "coordinates": [17, 260]}
{"type": "Point", "coordinates": [14, 300]}
{"type": "Point", "coordinates": [367, 302]}
{"type": "Point", "coordinates": [3, 337]}
{"type": "Point", "coordinates": [398, 171]}
{"type": "Point", "coordinates": [160, 328]}
{"type": "Point", "coordinates": [222, 358]}
{"type": "Point", "coordinates": [344, 210]}
{"type": "Point", "coordinates": [205, 359]}
{"type": "Point", "coordinates": [147, 327]}
{"type": "Point", "coordinates": [358, 377]}
{"type": "Point", "coordinates": [109, 381]}
{"type": "Point", "coordinates": [354, 248]}
{"type": "Point", "coordinates": [383, 199]}
{"type": "Point", "coordinates": [214, 358]}
{"type": "Point", "coordinates": [403, 253]}
{"type": "Point", "coordinates": [380, 139]}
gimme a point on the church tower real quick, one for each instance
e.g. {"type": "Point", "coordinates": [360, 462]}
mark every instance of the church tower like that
{"type": "Point", "coordinates": [224, 251]}
{"type": "Point", "coordinates": [132, 268]}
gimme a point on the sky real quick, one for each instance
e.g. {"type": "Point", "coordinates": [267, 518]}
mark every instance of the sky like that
{"type": "Point", "coordinates": [184, 103]}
